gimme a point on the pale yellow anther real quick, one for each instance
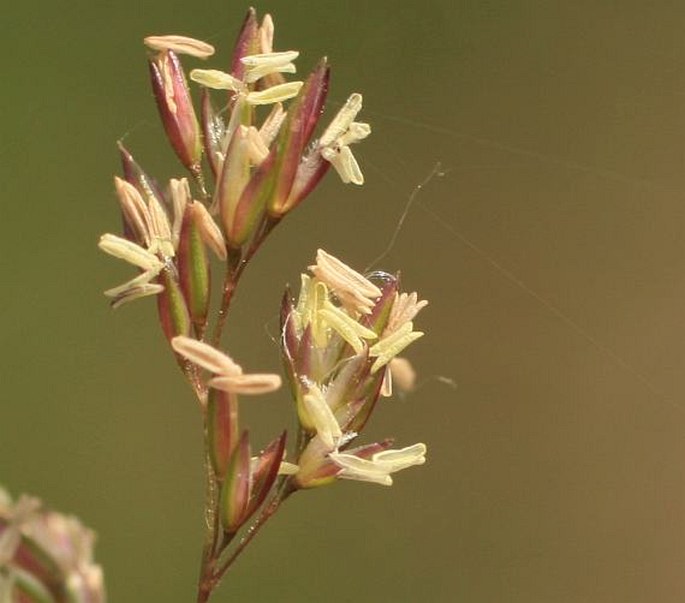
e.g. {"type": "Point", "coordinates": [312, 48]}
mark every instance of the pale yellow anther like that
{"type": "Point", "coordinates": [250, 384]}
{"type": "Point", "coordinates": [274, 94]}
{"type": "Point", "coordinates": [132, 293]}
{"type": "Point", "coordinates": [396, 460]}
{"type": "Point", "coordinates": [388, 347]}
{"type": "Point", "coordinates": [344, 162]}
{"type": "Point", "coordinates": [335, 141]}
{"type": "Point", "coordinates": [217, 80]}
{"type": "Point", "coordinates": [206, 356]}
{"type": "Point", "coordinates": [353, 290]}
{"type": "Point", "coordinates": [356, 132]}
{"type": "Point", "coordinates": [180, 45]}
{"type": "Point", "coordinates": [130, 252]}
{"type": "Point", "coordinates": [346, 326]}
{"type": "Point", "coordinates": [363, 470]}
{"type": "Point", "coordinates": [318, 297]}
{"type": "Point", "coordinates": [272, 59]}
{"type": "Point", "coordinates": [259, 71]}
{"type": "Point", "coordinates": [329, 267]}
{"type": "Point", "coordinates": [405, 307]}
{"type": "Point", "coordinates": [341, 122]}
{"type": "Point", "coordinates": [378, 469]}
{"type": "Point", "coordinates": [322, 418]}
{"type": "Point", "coordinates": [138, 284]}
{"type": "Point", "coordinates": [302, 311]}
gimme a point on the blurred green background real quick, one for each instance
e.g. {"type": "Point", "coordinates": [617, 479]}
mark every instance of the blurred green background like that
{"type": "Point", "coordinates": [552, 252]}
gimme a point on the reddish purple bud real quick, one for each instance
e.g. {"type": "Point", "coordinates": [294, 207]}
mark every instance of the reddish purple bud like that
{"type": "Point", "coordinates": [222, 429]}
{"type": "Point", "coordinates": [236, 489]}
{"type": "Point", "coordinates": [193, 269]}
{"type": "Point", "coordinates": [251, 206]}
{"type": "Point", "coordinates": [304, 360]}
{"type": "Point", "coordinates": [176, 108]}
{"type": "Point", "coordinates": [265, 472]}
{"type": "Point", "coordinates": [135, 175]}
{"type": "Point", "coordinates": [246, 44]}
{"type": "Point", "coordinates": [294, 136]}
{"type": "Point", "coordinates": [312, 98]}
{"type": "Point", "coordinates": [389, 285]}
{"type": "Point", "coordinates": [309, 173]}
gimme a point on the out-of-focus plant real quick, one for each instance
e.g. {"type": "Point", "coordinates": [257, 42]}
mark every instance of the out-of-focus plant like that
{"type": "Point", "coordinates": [45, 557]}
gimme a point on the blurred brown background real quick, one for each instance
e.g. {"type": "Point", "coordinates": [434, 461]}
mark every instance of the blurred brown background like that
{"type": "Point", "coordinates": [552, 252]}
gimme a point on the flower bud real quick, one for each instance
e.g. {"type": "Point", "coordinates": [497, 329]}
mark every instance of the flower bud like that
{"type": "Point", "coordinates": [264, 472]}
{"type": "Point", "coordinates": [173, 312]}
{"type": "Point", "coordinates": [237, 487]}
{"type": "Point", "coordinates": [247, 43]}
{"type": "Point", "coordinates": [294, 136]}
{"type": "Point", "coordinates": [235, 175]}
{"type": "Point", "coordinates": [193, 269]}
{"type": "Point", "coordinates": [176, 108]}
{"type": "Point", "coordinates": [135, 175]}
{"type": "Point", "coordinates": [222, 429]}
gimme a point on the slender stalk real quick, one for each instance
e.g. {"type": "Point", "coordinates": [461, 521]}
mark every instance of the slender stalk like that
{"type": "Point", "coordinates": [236, 264]}
{"type": "Point", "coordinates": [268, 511]}
{"type": "Point", "coordinates": [234, 269]}
{"type": "Point", "coordinates": [210, 575]}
